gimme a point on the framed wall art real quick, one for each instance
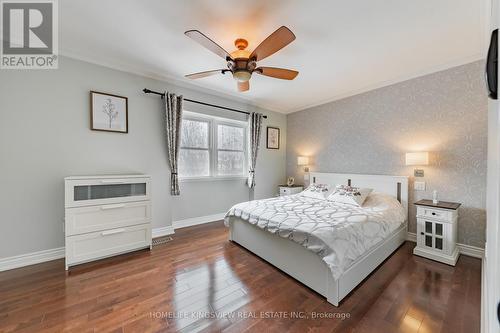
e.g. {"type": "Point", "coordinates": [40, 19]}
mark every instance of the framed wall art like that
{"type": "Point", "coordinates": [273, 138]}
{"type": "Point", "coordinates": [108, 112]}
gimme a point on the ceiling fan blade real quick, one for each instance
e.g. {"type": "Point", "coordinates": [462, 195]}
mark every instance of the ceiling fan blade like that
{"type": "Point", "coordinates": [279, 73]}
{"type": "Point", "coordinates": [205, 74]}
{"type": "Point", "coordinates": [273, 43]}
{"type": "Point", "coordinates": [243, 86]}
{"type": "Point", "coordinates": [200, 38]}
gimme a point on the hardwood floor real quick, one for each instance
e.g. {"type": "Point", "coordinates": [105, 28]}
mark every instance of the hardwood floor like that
{"type": "Point", "coordinates": [185, 284]}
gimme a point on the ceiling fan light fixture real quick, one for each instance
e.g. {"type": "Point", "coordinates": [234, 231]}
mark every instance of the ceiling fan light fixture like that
{"type": "Point", "coordinates": [240, 54]}
{"type": "Point", "coordinates": [242, 75]}
{"type": "Point", "coordinates": [243, 63]}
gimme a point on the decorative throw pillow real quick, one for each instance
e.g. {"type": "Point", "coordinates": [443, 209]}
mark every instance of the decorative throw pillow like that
{"type": "Point", "coordinates": [318, 191]}
{"type": "Point", "coordinates": [350, 195]}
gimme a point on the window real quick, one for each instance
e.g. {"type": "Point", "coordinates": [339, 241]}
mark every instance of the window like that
{"type": "Point", "coordinates": [230, 150]}
{"type": "Point", "coordinates": [194, 157]}
{"type": "Point", "coordinates": [212, 147]}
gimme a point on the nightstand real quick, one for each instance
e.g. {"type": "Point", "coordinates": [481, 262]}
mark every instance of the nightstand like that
{"type": "Point", "coordinates": [437, 231]}
{"type": "Point", "coordinates": [288, 190]}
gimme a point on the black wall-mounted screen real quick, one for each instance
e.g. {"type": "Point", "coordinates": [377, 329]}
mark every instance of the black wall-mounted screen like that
{"type": "Point", "coordinates": [492, 66]}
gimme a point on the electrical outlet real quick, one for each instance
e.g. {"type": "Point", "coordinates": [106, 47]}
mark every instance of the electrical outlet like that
{"type": "Point", "coordinates": [419, 186]}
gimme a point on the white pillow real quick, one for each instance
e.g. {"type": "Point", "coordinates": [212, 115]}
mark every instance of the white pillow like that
{"type": "Point", "coordinates": [318, 191]}
{"type": "Point", "coordinates": [349, 195]}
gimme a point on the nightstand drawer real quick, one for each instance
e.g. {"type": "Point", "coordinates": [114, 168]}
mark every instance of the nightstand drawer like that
{"type": "Point", "coordinates": [436, 214]}
{"type": "Point", "coordinates": [285, 190]}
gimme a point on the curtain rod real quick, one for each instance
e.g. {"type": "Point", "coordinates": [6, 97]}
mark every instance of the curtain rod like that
{"type": "Point", "coordinates": [148, 91]}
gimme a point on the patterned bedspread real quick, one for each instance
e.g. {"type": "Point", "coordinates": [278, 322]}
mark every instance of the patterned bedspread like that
{"type": "Point", "coordinates": [338, 233]}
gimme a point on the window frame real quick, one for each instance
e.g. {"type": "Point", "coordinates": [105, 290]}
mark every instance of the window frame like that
{"type": "Point", "coordinates": [213, 149]}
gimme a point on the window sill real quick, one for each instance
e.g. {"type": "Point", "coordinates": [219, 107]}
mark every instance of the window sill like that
{"type": "Point", "coordinates": [211, 179]}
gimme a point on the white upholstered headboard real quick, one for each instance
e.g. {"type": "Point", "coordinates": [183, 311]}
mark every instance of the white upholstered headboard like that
{"type": "Point", "coordinates": [396, 186]}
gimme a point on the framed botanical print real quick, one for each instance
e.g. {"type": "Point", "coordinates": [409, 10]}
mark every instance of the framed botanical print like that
{"type": "Point", "coordinates": [273, 137]}
{"type": "Point", "coordinates": [108, 112]}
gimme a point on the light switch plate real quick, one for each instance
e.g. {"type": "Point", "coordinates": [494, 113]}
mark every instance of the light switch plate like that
{"type": "Point", "coordinates": [419, 186]}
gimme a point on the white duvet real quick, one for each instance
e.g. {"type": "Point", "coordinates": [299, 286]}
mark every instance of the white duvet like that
{"type": "Point", "coordinates": [338, 233]}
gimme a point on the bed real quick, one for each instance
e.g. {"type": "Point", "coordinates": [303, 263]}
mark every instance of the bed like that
{"type": "Point", "coordinates": [332, 267]}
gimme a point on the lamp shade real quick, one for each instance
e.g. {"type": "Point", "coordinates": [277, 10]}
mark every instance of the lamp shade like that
{"type": "Point", "coordinates": [420, 158]}
{"type": "Point", "coordinates": [302, 160]}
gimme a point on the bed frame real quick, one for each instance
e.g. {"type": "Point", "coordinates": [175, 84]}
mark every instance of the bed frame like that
{"type": "Point", "coordinates": [307, 267]}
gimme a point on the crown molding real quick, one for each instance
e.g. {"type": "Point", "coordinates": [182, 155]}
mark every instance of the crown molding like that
{"type": "Point", "coordinates": [386, 83]}
{"type": "Point", "coordinates": [167, 78]}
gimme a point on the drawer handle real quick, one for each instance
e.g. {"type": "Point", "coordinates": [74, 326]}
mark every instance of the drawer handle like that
{"type": "Point", "coordinates": [112, 206]}
{"type": "Point", "coordinates": [112, 232]}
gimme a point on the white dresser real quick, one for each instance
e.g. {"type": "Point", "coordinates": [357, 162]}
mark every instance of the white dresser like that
{"type": "Point", "coordinates": [437, 231]}
{"type": "Point", "coordinates": [106, 216]}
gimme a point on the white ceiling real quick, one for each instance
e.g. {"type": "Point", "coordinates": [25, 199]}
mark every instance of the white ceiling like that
{"type": "Point", "coordinates": [342, 47]}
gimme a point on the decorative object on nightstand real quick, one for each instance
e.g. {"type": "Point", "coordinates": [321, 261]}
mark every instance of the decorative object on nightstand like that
{"type": "Point", "coordinates": [288, 190]}
{"type": "Point", "coordinates": [290, 181]}
{"type": "Point", "coordinates": [435, 200]}
{"type": "Point", "coordinates": [417, 159]}
{"type": "Point", "coordinates": [437, 231]}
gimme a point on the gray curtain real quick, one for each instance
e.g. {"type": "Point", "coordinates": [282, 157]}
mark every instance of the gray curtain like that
{"type": "Point", "coordinates": [255, 121]}
{"type": "Point", "coordinates": [173, 117]}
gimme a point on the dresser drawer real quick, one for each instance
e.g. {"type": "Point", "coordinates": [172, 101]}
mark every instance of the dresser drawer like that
{"type": "Point", "coordinates": [81, 220]}
{"type": "Point", "coordinates": [96, 245]}
{"type": "Point", "coordinates": [434, 213]}
{"type": "Point", "coordinates": [104, 191]}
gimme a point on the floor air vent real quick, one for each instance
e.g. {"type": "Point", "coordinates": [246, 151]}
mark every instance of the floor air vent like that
{"type": "Point", "coordinates": [162, 240]}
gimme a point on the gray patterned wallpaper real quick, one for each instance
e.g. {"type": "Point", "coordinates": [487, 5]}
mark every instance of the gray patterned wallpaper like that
{"type": "Point", "coordinates": [444, 113]}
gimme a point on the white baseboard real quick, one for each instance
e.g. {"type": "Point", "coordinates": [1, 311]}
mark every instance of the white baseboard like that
{"type": "Point", "coordinates": [162, 231]}
{"type": "Point", "coordinates": [31, 258]}
{"type": "Point", "coordinates": [58, 253]}
{"type": "Point", "coordinates": [471, 251]}
{"type": "Point", "coordinates": [468, 250]}
{"type": "Point", "coordinates": [198, 220]}
{"type": "Point", "coordinates": [411, 236]}
{"type": "Point", "coordinates": [159, 232]}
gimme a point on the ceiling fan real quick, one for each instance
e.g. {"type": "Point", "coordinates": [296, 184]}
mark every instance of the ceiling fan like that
{"type": "Point", "coordinates": [243, 63]}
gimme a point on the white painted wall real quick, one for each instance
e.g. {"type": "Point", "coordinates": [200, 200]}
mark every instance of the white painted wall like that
{"type": "Point", "coordinates": [45, 136]}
